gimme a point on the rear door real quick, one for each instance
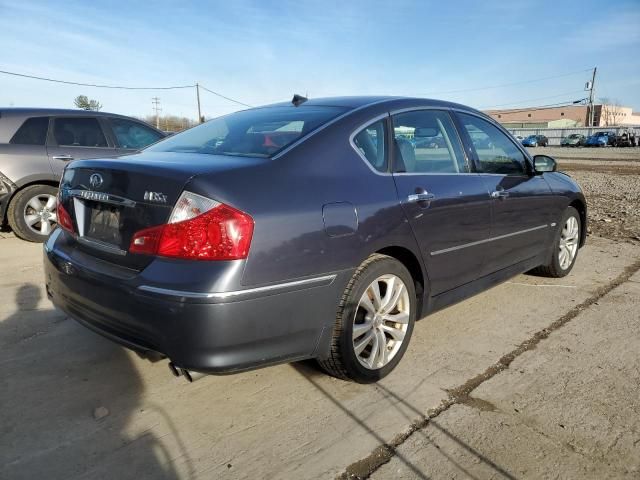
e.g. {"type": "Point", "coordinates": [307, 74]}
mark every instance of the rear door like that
{"type": "Point", "coordinates": [131, 136]}
{"type": "Point", "coordinates": [522, 203]}
{"type": "Point", "coordinates": [446, 204]}
{"type": "Point", "coordinates": [74, 138]}
{"type": "Point", "coordinates": [25, 153]}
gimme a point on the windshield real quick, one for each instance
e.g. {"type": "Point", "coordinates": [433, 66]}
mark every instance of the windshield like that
{"type": "Point", "coordinates": [259, 132]}
{"type": "Point", "coordinates": [574, 135]}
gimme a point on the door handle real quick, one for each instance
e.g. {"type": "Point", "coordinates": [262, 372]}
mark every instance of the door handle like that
{"type": "Point", "coordinates": [499, 194]}
{"type": "Point", "coordinates": [420, 197]}
{"type": "Point", "coordinates": [64, 158]}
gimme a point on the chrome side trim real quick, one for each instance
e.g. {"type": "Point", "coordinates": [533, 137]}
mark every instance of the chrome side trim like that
{"type": "Point", "coordinates": [275, 288]}
{"type": "Point", "coordinates": [487, 240]}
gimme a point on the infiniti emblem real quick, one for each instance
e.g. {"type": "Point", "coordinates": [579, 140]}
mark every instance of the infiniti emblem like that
{"type": "Point", "coordinates": [95, 180]}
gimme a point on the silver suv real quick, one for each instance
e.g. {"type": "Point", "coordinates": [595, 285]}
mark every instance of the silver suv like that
{"type": "Point", "coordinates": [35, 146]}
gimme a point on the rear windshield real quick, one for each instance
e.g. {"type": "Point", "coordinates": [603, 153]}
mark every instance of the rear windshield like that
{"type": "Point", "coordinates": [260, 132]}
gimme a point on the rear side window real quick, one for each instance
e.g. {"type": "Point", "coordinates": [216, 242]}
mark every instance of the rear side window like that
{"type": "Point", "coordinates": [371, 144]}
{"type": "Point", "coordinates": [260, 132]}
{"type": "Point", "coordinates": [32, 132]}
{"type": "Point", "coordinates": [133, 134]}
{"type": "Point", "coordinates": [79, 132]}
{"type": "Point", "coordinates": [426, 142]}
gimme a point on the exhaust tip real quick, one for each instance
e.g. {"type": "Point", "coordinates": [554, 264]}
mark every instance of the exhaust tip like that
{"type": "Point", "coordinates": [183, 372]}
{"type": "Point", "coordinates": [174, 369]}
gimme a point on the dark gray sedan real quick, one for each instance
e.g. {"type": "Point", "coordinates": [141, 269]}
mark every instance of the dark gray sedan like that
{"type": "Point", "coordinates": [318, 229]}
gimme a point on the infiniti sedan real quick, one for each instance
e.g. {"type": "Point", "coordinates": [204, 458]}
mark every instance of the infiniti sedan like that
{"type": "Point", "coordinates": [311, 229]}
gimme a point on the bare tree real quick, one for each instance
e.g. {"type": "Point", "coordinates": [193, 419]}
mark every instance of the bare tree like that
{"type": "Point", "coordinates": [171, 123]}
{"type": "Point", "coordinates": [610, 113]}
{"type": "Point", "coordinates": [82, 102]}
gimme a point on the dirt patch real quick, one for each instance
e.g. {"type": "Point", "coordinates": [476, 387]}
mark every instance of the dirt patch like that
{"type": "Point", "coordinates": [612, 188]}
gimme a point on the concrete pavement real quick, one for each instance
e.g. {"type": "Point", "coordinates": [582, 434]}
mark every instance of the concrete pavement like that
{"type": "Point", "coordinates": [73, 405]}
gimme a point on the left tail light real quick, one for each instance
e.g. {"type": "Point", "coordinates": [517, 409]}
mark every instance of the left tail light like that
{"type": "Point", "coordinates": [199, 228]}
{"type": "Point", "coordinates": [64, 219]}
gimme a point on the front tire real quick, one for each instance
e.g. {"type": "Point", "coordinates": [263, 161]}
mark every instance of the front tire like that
{"type": "Point", "coordinates": [32, 212]}
{"type": "Point", "coordinates": [565, 247]}
{"type": "Point", "coordinates": [374, 321]}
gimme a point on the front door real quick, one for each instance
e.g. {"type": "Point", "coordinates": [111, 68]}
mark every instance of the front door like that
{"type": "Point", "coordinates": [447, 205]}
{"type": "Point", "coordinates": [74, 138]}
{"type": "Point", "coordinates": [522, 203]}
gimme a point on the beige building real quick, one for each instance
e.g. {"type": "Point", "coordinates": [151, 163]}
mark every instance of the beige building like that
{"type": "Point", "coordinates": [565, 117]}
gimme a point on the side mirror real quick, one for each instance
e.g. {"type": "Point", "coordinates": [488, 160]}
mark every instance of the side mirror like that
{"type": "Point", "coordinates": [544, 163]}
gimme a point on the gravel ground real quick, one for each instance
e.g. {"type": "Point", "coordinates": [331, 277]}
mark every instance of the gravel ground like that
{"type": "Point", "coordinates": [610, 178]}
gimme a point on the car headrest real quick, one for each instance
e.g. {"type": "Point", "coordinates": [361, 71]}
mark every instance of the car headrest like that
{"type": "Point", "coordinates": [405, 156]}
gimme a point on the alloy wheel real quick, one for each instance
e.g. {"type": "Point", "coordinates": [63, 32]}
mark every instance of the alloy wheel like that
{"type": "Point", "coordinates": [568, 245]}
{"type": "Point", "coordinates": [40, 214]}
{"type": "Point", "coordinates": [381, 321]}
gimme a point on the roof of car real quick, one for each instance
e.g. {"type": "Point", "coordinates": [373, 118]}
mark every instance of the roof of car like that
{"type": "Point", "coordinates": [54, 111]}
{"type": "Point", "coordinates": [363, 101]}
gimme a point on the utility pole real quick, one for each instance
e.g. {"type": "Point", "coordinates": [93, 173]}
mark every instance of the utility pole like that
{"type": "Point", "coordinates": [156, 107]}
{"type": "Point", "coordinates": [198, 97]}
{"type": "Point", "coordinates": [591, 112]}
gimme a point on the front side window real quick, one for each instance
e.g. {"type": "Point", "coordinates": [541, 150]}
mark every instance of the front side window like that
{"type": "Point", "coordinates": [496, 152]}
{"type": "Point", "coordinates": [371, 143]}
{"type": "Point", "coordinates": [259, 132]}
{"type": "Point", "coordinates": [133, 134]}
{"type": "Point", "coordinates": [32, 132]}
{"type": "Point", "coordinates": [79, 132]}
{"type": "Point", "coordinates": [425, 141]}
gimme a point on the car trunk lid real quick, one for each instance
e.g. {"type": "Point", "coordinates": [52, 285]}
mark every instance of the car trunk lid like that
{"type": "Point", "coordinates": [111, 199]}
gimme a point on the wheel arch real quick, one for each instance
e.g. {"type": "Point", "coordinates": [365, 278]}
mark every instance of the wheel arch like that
{"type": "Point", "coordinates": [411, 262]}
{"type": "Point", "coordinates": [22, 186]}
{"type": "Point", "coordinates": [580, 206]}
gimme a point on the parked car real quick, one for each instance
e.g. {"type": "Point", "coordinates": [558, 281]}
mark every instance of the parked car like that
{"type": "Point", "coordinates": [535, 141]}
{"type": "Point", "coordinates": [625, 138]}
{"type": "Point", "coordinates": [573, 140]}
{"type": "Point", "coordinates": [229, 247]}
{"type": "Point", "coordinates": [36, 144]}
{"type": "Point", "coordinates": [601, 139]}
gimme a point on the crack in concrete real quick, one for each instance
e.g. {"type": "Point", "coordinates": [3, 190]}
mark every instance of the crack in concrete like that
{"type": "Point", "coordinates": [363, 469]}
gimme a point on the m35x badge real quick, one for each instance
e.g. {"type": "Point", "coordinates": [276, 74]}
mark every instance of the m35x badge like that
{"type": "Point", "coordinates": [155, 197]}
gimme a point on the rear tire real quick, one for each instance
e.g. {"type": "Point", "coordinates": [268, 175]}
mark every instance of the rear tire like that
{"type": "Point", "coordinates": [32, 212]}
{"type": "Point", "coordinates": [565, 247]}
{"type": "Point", "coordinates": [365, 322]}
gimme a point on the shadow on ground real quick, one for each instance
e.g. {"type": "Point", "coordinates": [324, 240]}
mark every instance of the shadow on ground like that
{"type": "Point", "coordinates": [67, 398]}
{"type": "Point", "coordinates": [363, 467]}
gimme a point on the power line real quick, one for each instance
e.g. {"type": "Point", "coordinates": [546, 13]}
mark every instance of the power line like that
{"type": "Point", "coordinates": [532, 99]}
{"type": "Point", "coordinates": [509, 84]}
{"type": "Point", "coordinates": [225, 97]}
{"type": "Point", "coordinates": [568, 103]}
{"type": "Point", "coordinates": [119, 87]}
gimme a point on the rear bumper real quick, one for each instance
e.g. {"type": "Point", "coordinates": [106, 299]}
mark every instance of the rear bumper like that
{"type": "Point", "coordinates": [221, 332]}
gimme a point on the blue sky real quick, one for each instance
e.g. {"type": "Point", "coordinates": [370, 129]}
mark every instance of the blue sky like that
{"type": "Point", "coordinates": [264, 51]}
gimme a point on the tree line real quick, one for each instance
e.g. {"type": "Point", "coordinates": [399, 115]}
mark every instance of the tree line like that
{"type": "Point", "coordinates": [167, 123]}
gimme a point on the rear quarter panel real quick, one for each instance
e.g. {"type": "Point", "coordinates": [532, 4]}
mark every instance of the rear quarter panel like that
{"type": "Point", "coordinates": [24, 164]}
{"type": "Point", "coordinates": [286, 197]}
